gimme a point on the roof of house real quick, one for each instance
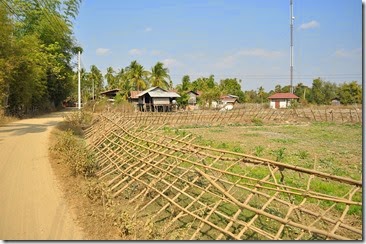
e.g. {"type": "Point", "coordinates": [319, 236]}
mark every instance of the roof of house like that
{"type": "Point", "coordinates": [150, 89]}
{"type": "Point", "coordinates": [134, 94]}
{"type": "Point", "coordinates": [283, 96]}
{"type": "Point", "coordinates": [163, 94]}
{"type": "Point", "coordinates": [110, 91]}
{"type": "Point", "coordinates": [196, 93]}
{"type": "Point", "coordinates": [228, 99]}
{"type": "Point", "coordinates": [158, 92]}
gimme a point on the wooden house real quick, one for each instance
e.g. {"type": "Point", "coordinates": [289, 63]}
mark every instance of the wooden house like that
{"type": "Point", "coordinates": [110, 94]}
{"type": "Point", "coordinates": [156, 99]}
{"type": "Point", "coordinates": [192, 98]}
{"type": "Point", "coordinates": [228, 99]}
{"type": "Point", "coordinates": [282, 100]}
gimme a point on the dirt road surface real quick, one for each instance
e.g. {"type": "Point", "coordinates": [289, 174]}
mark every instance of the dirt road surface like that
{"type": "Point", "coordinates": [31, 203]}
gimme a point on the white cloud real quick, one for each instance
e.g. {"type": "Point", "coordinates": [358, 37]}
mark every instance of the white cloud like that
{"type": "Point", "coordinates": [102, 51]}
{"type": "Point", "coordinates": [148, 29]}
{"type": "Point", "coordinates": [171, 62]}
{"type": "Point", "coordinates": [310, 25]}
{"type": "Point", "coordinates": [231, 59]}
{"type": "Point", "coordinates": [136, 52]}
{"type": "Point", "coordinates": [343, 53]}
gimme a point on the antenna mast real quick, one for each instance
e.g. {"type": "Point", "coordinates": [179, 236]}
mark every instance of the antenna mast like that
{"type": "Point", "coordinates": [291, 47]}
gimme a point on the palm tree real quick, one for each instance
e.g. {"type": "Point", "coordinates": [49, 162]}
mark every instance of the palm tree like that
{"type": "Point", "coordinates": [159, 76]}
{"type": "Point", "coordinates": [96, 78]}
{"type": "Point", "coordinates": [137, 76]}
{"type": "Point", "coordinates": [261, 93]}
{"type": "Point", "coordinates": [111, 79]}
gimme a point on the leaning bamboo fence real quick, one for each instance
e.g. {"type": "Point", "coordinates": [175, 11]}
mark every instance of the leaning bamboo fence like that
{"type": "Point", "coordinates": [218, 194]}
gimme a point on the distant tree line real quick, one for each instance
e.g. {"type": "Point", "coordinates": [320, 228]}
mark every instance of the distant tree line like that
{"type": "Point", "coordinates": [320, 93]}
{"type": "Point", "coordinates": [135, 77]}
{"type": "Point", "coordinates": [36, 48]}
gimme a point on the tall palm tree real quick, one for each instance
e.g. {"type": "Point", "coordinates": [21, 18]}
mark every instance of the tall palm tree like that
{"type": "Point", "coordinates": [160, 76]}
{"type": "Point", "coordinates": [261, 93]}
{"type": "Point", "coordinates": [96, 78]}
{"type": "Point", "coordinates": [137, 76]}
{"type": "Point", "coordinates": [111, 79]}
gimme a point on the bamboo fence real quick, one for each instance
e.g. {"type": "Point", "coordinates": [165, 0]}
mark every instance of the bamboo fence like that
{"type": "Point", "coordinates": [218, 194]}
{"type": "Point", "coordinates": [245, 115]}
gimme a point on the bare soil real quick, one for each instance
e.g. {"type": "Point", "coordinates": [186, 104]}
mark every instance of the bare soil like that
{"type": "Point", "coordinates": [31, 202]}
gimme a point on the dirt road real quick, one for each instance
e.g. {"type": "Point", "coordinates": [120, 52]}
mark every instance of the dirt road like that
{"type": "Point", "coordinates": [31, 204]}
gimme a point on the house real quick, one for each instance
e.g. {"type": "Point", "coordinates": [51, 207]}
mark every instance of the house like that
{"type": "Point", "coordinates": [336, 101]}
{"type": "Point", "coordinates": [282, 100]}
{"type": "Point", "coordinates": [192, 101]}
{"type": "Point", "coordinates": [156, 99]}
{"type": "Point", "coordinates": [228, 99]}
{"type": "Point", "coordinates": [110, 94]}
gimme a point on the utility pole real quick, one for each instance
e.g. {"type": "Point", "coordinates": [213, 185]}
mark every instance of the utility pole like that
{"type": "Point", "coordinates": [291, 46]}
{"type": "Point", "coordinates": [79, 89]}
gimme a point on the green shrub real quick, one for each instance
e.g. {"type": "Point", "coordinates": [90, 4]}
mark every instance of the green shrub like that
{"type": "Point", "coordinates": [258, 151]}
{"type": "Point", "coordinates": [279, 153]}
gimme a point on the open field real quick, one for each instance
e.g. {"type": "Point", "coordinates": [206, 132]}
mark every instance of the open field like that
{"type": "Point", "coordinates": [327, 147]}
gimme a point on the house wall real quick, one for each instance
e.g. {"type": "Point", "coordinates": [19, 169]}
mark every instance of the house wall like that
{"type": "Point", "coordinates": [161, 100]}
{"type": "Point", "coordinates": [192, 98]}
{"type": "Point", "coordinates": [141, 100]}
{"type": "Point", "coordinates": [284, 103]}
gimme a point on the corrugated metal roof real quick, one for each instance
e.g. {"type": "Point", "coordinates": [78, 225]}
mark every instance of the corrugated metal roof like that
{"type": "Point", "coordinates": [163, 94]}
{"type": "Point", "coordinates": [150, 90]}
{"type": "Point", "coordinates": [283, 96]}
{"type": "Point", "coordinates": [110, 91]}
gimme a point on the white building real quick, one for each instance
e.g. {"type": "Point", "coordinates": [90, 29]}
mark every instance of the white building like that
{"type": "Point", "coordinates": [282, 100]}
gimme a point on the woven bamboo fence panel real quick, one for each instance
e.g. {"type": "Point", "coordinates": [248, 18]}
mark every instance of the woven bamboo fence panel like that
{"type": "Point", "coordinates": [215, 117]}
{"type": "Point", "coordinates": [218, 194]}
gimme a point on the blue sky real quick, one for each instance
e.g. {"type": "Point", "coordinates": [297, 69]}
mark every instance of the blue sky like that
{"type": "Point", "coordinates": [244, 39]}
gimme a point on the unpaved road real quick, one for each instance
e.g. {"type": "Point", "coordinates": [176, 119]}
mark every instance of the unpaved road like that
{"type": "Point", "coordinates": [31, 203]}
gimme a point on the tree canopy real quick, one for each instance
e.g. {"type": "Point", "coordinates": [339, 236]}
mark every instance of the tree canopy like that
{"type": "Point", "coordinates": [36, 49]}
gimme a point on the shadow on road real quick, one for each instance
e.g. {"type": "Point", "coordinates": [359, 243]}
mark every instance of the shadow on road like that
{"type": "Point", "coordinates": [33, 125]}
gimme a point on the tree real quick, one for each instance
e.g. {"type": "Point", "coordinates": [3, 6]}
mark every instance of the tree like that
{"type": "Point", "coordinates": [137, 76]}
{"type": "Point", "coordinates": [111, 79]}
{"type": "Point", "coordinates": [160, 76]}
{"type": "Point", "coordinates": [96, 78]}
{"type": "Point", "coordinates": [261, 93]}
{"type": "Point", "coordinates": [303, 92]}
{"type": "Point", "coordinates": [122, 83]}
{"type": "Point", "coordinates": [233, 87]}
{"type": "Point", "coordinates": [278, 89]}
{"type": "Point", "coordinates": [317, 95]}
{"type": "Point", "coordinates": [37, 72]}
{"type": "Point", "coordinates": [186, 83]}
{"type": "Point", "coordinates": [350, 93]}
